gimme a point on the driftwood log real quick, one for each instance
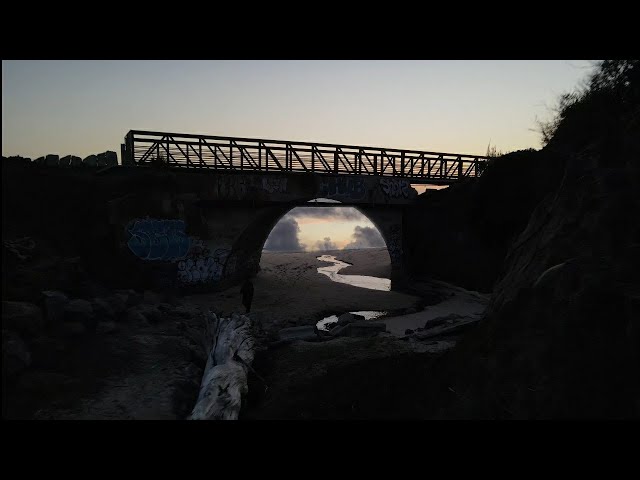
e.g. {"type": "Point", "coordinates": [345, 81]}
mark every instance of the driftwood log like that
{"type": "Point", "coordinates": [224, 382]}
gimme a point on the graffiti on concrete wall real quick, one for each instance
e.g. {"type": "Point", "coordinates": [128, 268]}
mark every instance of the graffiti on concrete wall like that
{"type": "Point", "coordinates": [166, 240]}
{"type": "Point", "coordinates": [233, 186]}
{"type": "Point", "coordinates": [352, 188]}
{"type": "Point", "coordinates": [163, 240]}
{"type": "Point", "coordinates": [274, 184]}
{"type": "Point", "coordinates": [396, 188]}
{"type": "Point", "coordinates": [394, 243]}
{"type": "Point", "coordinates": [202, 265]}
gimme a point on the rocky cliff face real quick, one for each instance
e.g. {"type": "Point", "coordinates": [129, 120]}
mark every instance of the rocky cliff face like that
{"type": "Point", "coordinates": [461, 234]}
{"type": "Point", "coordinates": [561, 336]}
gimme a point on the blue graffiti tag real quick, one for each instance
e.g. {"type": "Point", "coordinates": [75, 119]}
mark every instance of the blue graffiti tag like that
{"type": "Point", "coordinates": [353, 188]}
{"type": "Point", "coordinates": [158, 239]}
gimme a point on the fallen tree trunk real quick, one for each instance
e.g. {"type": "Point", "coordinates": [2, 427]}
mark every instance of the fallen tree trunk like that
{"type": "Point", "coordinates": [224, 382]}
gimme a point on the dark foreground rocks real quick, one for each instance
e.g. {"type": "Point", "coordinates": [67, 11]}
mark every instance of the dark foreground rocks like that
{"type": "Point", "coordinates": [109, 357]}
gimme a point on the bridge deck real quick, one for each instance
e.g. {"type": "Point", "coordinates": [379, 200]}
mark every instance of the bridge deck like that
{"type": "Point", "coordinates": [246, 154]}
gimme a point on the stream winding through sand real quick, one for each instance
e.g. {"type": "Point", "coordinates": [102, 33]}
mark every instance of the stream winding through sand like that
{"type": "Point", "coordinates": [331, 271]}
{"type": "Point", "coordinates": [374, 283]}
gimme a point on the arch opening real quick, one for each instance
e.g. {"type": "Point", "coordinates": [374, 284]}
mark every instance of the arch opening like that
{"type": "Point", "coordinates": [323, 226]}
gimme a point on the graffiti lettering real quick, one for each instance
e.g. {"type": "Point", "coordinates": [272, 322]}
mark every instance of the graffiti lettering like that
{"type": "Point", "coordinates": [395, 188]}
{"type": "Point", "coordinates": [353, 188]}
{"type": "Point", "coordinates": [274, 184]}
{"type": "Point", "coordinates": [232, 187]}
{"type": "Point", "coordinates": [202, 266]}
{"type": "Point", "coordinates": [158, 239]}
{"type": "Point", "coordinates": [394, 243]}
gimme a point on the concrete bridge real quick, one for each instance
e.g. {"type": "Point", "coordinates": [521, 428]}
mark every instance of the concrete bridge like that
{"type": "Point", "coordinates": [200, 222]}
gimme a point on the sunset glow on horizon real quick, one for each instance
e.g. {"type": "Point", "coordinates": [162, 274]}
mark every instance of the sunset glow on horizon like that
{"type": "Point", "coordinates": [83, 107]}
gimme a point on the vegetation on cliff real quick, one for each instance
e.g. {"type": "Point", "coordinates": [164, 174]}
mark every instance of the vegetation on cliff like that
{"type": "Point", "coordinates": [561, 337]}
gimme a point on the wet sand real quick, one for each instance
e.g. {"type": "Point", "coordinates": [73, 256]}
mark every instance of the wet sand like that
{"type": "Point", "coordinates": [374, 262]}
{"type": "Point", "coordinates": [289, 291]}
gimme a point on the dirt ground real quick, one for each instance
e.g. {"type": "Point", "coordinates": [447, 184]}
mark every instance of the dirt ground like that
{"type": "Point", "coordinates": [152, 370]}
{"type": "Point", "coordinates": [290, 292]}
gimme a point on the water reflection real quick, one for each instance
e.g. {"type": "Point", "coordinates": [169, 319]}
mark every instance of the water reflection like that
{"type": "Point", "coordinates": [367, 314]}
{"type": "Point", "coordinates": [331, 271]}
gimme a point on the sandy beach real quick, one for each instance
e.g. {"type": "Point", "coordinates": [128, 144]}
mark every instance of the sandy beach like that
{"type": "Point", "coordinates": [289, 291]}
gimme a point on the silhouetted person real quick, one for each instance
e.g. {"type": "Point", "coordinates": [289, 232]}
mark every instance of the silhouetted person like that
{"type": "Point", "coordinates": [247, 294]}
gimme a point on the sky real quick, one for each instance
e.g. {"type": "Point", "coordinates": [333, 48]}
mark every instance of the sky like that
{"type": "Point", "coordinates": [85, 107]}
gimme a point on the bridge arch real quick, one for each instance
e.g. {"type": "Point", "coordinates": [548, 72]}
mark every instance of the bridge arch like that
{"type": "Point", "coordinates": [223, 221]}
{"type": "Point", "coordinates": [246, 252]}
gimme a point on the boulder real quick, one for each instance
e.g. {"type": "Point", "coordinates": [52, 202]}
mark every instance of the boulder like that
{"type": "Point", "coordinates": [79, 311]}
{"type": "Point", "coordinates": [359, 329]}
{"type": "Point", "coordinates": [186, 311]}
{"type": "Point", "coordinates": [165, 307]}
{"type": "Point", "coordinates": [306, 332]}
{"type": "Point", "coordinates": [51, 160]}
{"type": "Point", "coordinates": [19, 250]}
{"type": "Point", "coordinates": [346, 318]}
{"type": "Point", "coordinates": [39, 161]}
{"type": "Point", "coordinates": [152, 297]}
{"type": "Point", "coordinates": [134, 298]}
{"type": "Point", "coordinates": [366, 328]}
{"type": "Point", "coordinates": [107, 159]}
{"type": "Point", "coordinates": [90, 161]}
{"type": "Point", "coordinates": [103, 309]}
{"type": "Point", "coordinates": [151, 312]}
{"type": "Point", "coordinates": [135, 316]}
{"type": "Point", "coordinates": [23, 317]}
{"type": "Point", "coordinates": [70, 161]}
{"type": "Point", "coordinates": [339, 330]}
{"type": "Point", "coordinates": [330, 326]}
{"type": "Point", "coordinates": [41, 382]}
{"type": "Point", "coordinates": [448, 319]}
{"type": "Point", "coordinates": [106, 327]}
{"type": "Point", "coordinates": [15, 355]}
{"type": "Point", "coordinates": [16, 160]}
{"type": "Point", "coordinates": [118, 302]}
{"type": "Point", "coordinates": [54, 303]}
{"type": "Point", "coordinates": [73, 329]}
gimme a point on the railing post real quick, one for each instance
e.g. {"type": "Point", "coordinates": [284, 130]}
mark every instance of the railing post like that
{"type": "Point", "coordinates": [200, 151]}
{"type": "Point", "coordinates": [375, 164]}
{"type": "Point", "coordinates": [402, 164]}
{"type": "Point", "coordinates": [131, 148]}
{"type": "Point", "coordinates": [313, 159]}
{"type": "Point", "coordinates": [260, 155]}
{"type": "Point", "coordinates": [231, 154]}
{"type": "Point", "coordinates": [335, 161]}
{"type": "Point", "coordinates": [287, 158]}
{"type": "Point", "coordinates": [459, 167]}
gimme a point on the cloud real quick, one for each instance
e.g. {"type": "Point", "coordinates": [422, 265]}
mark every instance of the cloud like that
{"type": "Point", "coordinates": [284, 237]}
{"type": "Point", "coordinates": [365, 237]}
{"type": "Point", "coordinates": [329, 213]}
{"type": "Point", "coordinates": [326, 244]}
